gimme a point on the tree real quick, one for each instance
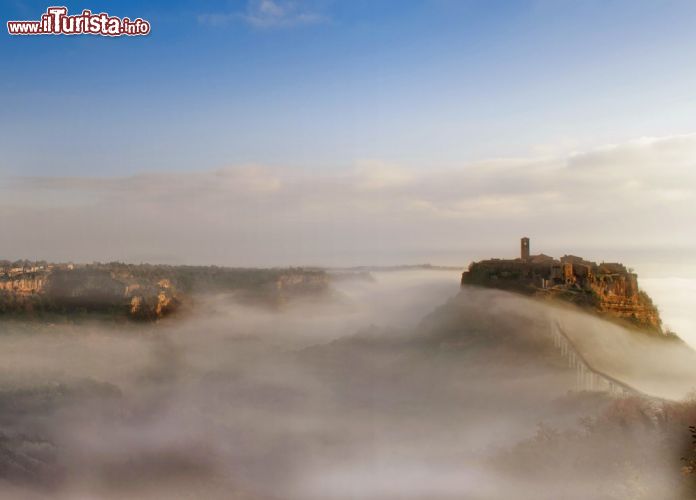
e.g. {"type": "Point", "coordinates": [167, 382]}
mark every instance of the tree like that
{"type": "Point", "coordinates": [690, 467]}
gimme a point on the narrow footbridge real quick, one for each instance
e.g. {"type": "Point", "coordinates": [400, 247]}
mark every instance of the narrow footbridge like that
{"type": "Point", "coordinates": [588, 377]}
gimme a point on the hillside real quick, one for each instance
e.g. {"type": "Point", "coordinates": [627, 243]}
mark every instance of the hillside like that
{"type": "Point", "coordinates": [609, 289]}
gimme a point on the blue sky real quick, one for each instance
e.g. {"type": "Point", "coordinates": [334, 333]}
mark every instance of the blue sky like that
{"type": "Point", "coordinates": [327, 83]}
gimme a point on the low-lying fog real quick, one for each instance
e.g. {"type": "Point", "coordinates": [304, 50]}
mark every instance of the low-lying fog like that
{"type": "Point", "coordinates": [362, 395]}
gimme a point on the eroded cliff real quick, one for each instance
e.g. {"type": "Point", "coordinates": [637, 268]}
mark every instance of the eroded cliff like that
{"type": "Point", "coordinates": [608, 288]}
{"type": "Point", "coordinates": [145, 292]}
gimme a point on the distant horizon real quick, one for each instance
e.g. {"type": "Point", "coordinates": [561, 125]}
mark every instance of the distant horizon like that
{"type": "Point", "coordinates": [631, 257]}
{"type": "Point", "coordinates": [593, 253]}
{"type": "Point", "coordinates": [316, 132]}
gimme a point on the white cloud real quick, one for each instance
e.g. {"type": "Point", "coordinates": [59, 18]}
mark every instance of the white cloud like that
{"type": "Point", "coordinates": [636, 194]}
{"type": "Point", "coordinates": [375, 174]}
{"type": "Point", "coordinates": [217, 19]}
{"type": "Point", "coordinates": [270, 14]}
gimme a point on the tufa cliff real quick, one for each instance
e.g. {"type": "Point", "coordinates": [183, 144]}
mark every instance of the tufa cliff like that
{"type": "Point", "coordinates": [70, 289]}
{"type": "Point", "coordinates": [145, 292]}
{"type": "Point", "coordinates": [609, 288]}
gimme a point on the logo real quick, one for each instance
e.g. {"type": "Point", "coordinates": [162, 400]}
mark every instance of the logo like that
{"type": "Point", "coordinates": [56, 21]}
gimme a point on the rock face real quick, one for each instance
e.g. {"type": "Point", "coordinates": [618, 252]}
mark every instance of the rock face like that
{"type": "Point", "coordinates": [618, 294]}
{"type": "Point", "coordinates": [67, 289]}
{"type": "Point", "coordinates": [610, 288]}
{"type": "Point", "coordinates": [143, 292]}
{"type": "Point", "coordinates": [301, 282]}
{"type": "Point", "coordinates": [152, 301]}
{"type": "Point", "coordinates": [23, 285]}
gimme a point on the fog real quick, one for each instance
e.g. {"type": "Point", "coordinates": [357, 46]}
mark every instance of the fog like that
{"type": "Point", "coordinates": [397, 387]}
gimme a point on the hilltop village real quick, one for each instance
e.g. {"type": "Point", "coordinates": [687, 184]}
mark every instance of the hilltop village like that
{"type": "Point", "coordinates": [609, 287]}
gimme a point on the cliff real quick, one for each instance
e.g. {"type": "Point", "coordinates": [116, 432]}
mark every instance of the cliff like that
{"type": "Point", "coordinates": [145, 292]}
{"type": "Point", "coordinates": [67, 290]}
{"type": "Point", "coordinates": [610, 289]}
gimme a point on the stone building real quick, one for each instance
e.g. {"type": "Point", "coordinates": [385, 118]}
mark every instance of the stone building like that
{"type": "Point", "coordinates": [524, 248]}
{"type": "Point", "coordinates": [609, 286]}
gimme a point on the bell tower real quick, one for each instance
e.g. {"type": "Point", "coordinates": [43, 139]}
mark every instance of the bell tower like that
{"type": "Point", "coordinates": [524, 248]}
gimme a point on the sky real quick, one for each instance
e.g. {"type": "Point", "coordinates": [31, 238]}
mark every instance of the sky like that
{"type": "Point", "coordinates": [277, 132]}
{"type": "Point", "coordinates": [327, 83]}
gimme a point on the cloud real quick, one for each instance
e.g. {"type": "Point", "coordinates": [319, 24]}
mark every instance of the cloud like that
{"type": "Point", "coordinates": [217, 19]}
{"type": "Point", "coordinates": [636, 194]}
{"type": "Point", "coordinates": [375, 174]}
{"type": "Point", "coordinates": [269, 14]}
